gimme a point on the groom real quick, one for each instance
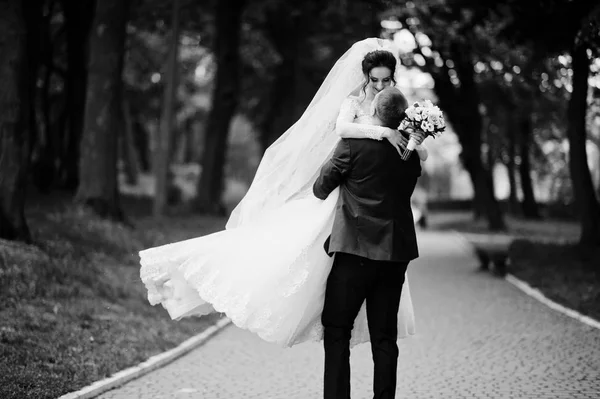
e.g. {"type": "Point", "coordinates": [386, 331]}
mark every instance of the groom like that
{"type": "Point", "coordinates": [373, 240]}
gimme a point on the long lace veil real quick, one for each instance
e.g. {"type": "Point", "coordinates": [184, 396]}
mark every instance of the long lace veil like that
{"type": "Point", "coordinates": [291, 164]}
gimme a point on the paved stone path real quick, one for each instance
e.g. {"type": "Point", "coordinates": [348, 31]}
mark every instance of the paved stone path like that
{"type": "Point", "coordinates": [478, 337]}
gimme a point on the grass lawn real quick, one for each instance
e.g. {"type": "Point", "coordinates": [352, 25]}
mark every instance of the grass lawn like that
{"type": "Point", "coordinates": [72, 307]}
{"type": "Point", "coordinates": [543, 253]}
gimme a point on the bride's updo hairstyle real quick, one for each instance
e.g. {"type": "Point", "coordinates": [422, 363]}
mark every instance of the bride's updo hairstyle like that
{"type": "Point", "coordinates": [374, 59]}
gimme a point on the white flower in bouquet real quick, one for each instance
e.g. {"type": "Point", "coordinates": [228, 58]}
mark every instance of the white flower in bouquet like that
{"type": "Point", "coordinates": [427, 126]}
{"type": "Point", "coordinates": [434, 119]}
{"type": "Point", "coordinates": [411, 113]}
{"type": "Point", "coordinates": [422, 116]}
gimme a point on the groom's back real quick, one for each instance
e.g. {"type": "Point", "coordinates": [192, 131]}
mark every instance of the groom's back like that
{"type": "Point", "coordinates": [375, 218]}
{"type": "Point", "coordinates": [380, 179]}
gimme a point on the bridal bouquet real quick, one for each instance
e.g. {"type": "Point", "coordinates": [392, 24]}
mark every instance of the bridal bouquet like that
{"type": "Point", "coordinates": [422, 116]}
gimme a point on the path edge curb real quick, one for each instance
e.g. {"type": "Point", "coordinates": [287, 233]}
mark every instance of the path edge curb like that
{"type": "Point", "coordinates": [155, 362]}
{"type": "Point", "coordinates": [536, 293]}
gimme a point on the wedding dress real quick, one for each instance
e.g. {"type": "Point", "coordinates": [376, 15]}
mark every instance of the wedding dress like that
{"type": "Point", "coordinates": [267, 271]}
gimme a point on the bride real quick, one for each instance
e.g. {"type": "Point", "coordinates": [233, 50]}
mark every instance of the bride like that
{"type": "Point", "coordinates": [267, 271]}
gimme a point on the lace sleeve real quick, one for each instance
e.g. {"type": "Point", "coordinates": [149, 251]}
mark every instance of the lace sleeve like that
{"type": "Point", "coordinates": [346, 128]}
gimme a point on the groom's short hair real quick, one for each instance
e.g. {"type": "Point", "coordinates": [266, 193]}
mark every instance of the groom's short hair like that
{"type": "Point", "coordinates": [390, 107]}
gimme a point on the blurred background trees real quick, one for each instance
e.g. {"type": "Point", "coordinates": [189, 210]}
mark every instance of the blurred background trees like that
{"type": "Point", "coordinates": [512, 89]}
{"type": "Point", "coordinates": [103, 117]}
{"type": "Point", "coordinates": [93, 110]}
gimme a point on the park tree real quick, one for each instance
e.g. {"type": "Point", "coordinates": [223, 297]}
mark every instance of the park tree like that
{"type": "Point", "coordinates": [579, 24]}
{"type": "Point", "coordinates": [59, 92]}
{"type": "Point", "coordinates": [283, 26]}
{"type": "Point", "coordinates": [78, 16]}
{"type": "Point", "coordinates": [19, 46]}
{"type": "Point", "coordinates": [163, 148]}
{"type": "Point", "coordinates": [98, 188]}
{"type": "Point", "coordinates": [284, 52]}
{"type": "Point", "coordinates": [508, 80]}
{"type": "Point", "coordinates": [13, 121]}
{"type": "Point", "coordinates": [447, 46]}
{"type": "Point", "coordinates": [224, 105]}
{"type": "Point", "coordinates": [585, 196]}
{"type": "Point", "coordinates": [470, 27]}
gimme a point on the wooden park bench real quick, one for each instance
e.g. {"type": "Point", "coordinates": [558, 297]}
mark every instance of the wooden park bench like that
{"type": "Point", "coordinates": [491, 250]}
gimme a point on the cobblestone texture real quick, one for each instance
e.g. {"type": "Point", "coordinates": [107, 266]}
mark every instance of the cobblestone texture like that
{"type": "Point", "coordinates": [477, 337]}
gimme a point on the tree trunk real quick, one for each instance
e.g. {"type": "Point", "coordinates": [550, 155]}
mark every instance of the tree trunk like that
{"type": "Point", "coordinates": [43, 170]}
{"type": "Point", "coordinates": [14, 120]}
{"type": "Point", "coordinates": [78, 21]}
{"type": "Point", "coordinates": [140, 140]}
{"type": "Point", "coordinates": [598, 181]}
{"type": "Point", "coordinates": [375, 25]}
{"type": "Point", "coordinates": [39, 49]}
{"type": "Point", "coordinates": [513, 200]}
{"type": "Point", "coordinates": [485, 202]}
{"type": "Point", "coordinates": [530, 205]}
{"type": "Point", "coordinates": [34, 20]}
{"type": "Point", "coordinates": [128, 153]}
{"type": "Point", "coordinates": [98, 186]}
{"type": "Point", "coordinates": [490, 159]}
{"type": "Point", "coordinates": [224, 104]}
{"type": "Point", "coordinates": [462, 107]}
{"type": "Point", "coordinates": [583, 188]}
{"type": "Point", "coordinates": [284, 30]}
{"type": "Point", "coordinates": [164, 142]}
{"type": "Point", "coordinates": [44, 166]}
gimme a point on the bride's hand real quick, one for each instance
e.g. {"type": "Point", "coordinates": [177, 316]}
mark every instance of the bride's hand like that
{"type": "Point", "coordinates": [417, 135]}
{"type": "Point", "coordinates": [397, 140]}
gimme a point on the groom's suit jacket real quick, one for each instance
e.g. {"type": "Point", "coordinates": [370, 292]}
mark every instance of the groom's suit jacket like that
{"type": "Point", "coordinates": [373, 217]}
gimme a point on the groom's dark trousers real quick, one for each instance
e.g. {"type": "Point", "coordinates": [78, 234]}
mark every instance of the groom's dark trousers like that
{"type": "Point", "coordinates": [373, 239]}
